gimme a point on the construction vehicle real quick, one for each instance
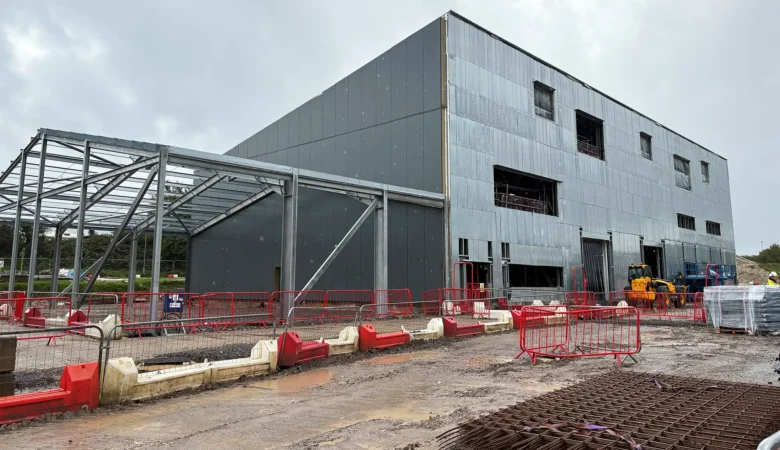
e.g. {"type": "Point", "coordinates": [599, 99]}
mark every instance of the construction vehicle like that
{"type": "Point", "coordinates": [644, 287]}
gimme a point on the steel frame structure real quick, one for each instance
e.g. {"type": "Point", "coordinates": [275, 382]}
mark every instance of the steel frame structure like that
{"type": "Point", "coordinates": [66, 180]}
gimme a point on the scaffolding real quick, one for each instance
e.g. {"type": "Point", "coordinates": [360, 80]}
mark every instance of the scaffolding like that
{"type": "Point", "coordinates": [68, 180]}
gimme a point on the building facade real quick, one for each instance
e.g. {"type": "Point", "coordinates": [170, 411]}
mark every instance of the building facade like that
{"type": "Point", "coordinates": [541, 173]}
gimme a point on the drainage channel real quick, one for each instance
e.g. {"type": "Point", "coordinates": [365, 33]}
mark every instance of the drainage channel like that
{"type": "Point", "coordinates": [623, 410]}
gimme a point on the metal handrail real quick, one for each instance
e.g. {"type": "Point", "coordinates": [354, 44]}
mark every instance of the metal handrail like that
{"type": "Point", "coordinates": [359, 317]}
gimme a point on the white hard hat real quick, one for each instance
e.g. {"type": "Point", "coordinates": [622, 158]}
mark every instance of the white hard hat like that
{"type": "Point", "coordinates": [772, 274]}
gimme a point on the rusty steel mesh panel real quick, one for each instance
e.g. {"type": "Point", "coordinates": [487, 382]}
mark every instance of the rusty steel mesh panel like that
{"type": "Point", "coordinates": [623, 410]}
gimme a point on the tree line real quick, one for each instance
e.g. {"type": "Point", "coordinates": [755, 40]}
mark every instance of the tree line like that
{"type": "Point", "coordinates": [174, 248]}
{"type": "Point", "coordinates": [769, 255]}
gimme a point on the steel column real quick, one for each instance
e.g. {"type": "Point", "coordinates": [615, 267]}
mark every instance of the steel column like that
{"type": "Point", "coordinates": [36, 221]}
{"type": "Point", "coordinates": [289, 240]}
{"type": "Point", "coordinates": [80, 226]}
{"type": "Point", "coordinates": [55, 265]}
{"type": "Point", "coordinates": [380, 251]}
{"type": "Point", "coordinates": [158, 228]}
{"type": "Point", "coordinates": [17, 225]}
{"type": "Point", "coordinates": [133, 263]}
{"type": "Point", "coordinates": [343, 243]}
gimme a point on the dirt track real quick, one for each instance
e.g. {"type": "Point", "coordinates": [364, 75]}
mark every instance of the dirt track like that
{"type": "Point", "coordinates": [401, 400]}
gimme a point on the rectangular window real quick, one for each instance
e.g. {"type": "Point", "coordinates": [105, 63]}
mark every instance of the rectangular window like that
{"type": "Point", "coordinates": [521, 275]}
{"type": "Point", "coordinates": [705, 172]}
{"type": "Point", "coordinates": [517, 190]}
{"type": "Point", "coordinates": [687, 222]}
{"type": "Point", "coordinates": [682, 175]}
{"type": "Point", "coordinates": [646, 144]}
{"type": "Point", "coordinates": [463, 248]}
{"type": "Point", "coordinates": [543, 101]}
{"type": "Point", "coordinates": [490, 251]}
{"type": "Point", "coordinates": [590, 135]}
{"type": "Point", "coordinates": [505, 251]}
{"type": "Point", "coordinates": [713, 228]}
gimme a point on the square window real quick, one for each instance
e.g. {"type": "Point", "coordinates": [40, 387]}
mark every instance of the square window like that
{"type": "Point", "coordinates": [682, 176]}
{"type": "Point", "coordinates": [543, 101]}
{"type": "Point", "coordinates": [646, 145]}
{"type": "Point", "coordinates": [686, 222]}
{"type": "Point", "coordinates": [705, 172]}
{"type": "Point", "coordinates": [713, 228]}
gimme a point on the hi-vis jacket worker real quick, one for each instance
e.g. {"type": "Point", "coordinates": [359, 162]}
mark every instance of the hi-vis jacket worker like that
{"type": "Point", "coordinates": [772, 279]}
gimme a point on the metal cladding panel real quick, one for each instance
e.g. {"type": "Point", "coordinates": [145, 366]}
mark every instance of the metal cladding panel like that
{"type": "Point", "coordinates": [382, 123]}
{"type": "Point", "coordinates": [492, 121]}
{"type": "Point", "coordinates": [241, 253]}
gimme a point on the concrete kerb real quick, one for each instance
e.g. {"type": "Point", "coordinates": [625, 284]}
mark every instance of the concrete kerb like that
{"type": "Point", "coordinates": [123, 383]}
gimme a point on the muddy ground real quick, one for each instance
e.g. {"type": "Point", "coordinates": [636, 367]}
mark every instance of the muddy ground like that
{"type": "Point", "coordinates": [385, 400]}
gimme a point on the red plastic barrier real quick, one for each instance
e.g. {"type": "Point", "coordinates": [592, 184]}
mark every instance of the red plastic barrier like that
{"type": "Point", "coordinates": [40, 309]}
{"type": "Point", "coordinates": [292, 350]}
{"type": "Point", "coordinates": [561, 332]}
{"type": "Point", "coordinates": [503, 304]}
{"type": "Point", "coordinates": [452, 329]}
{"type": "Point", "coordinates": [79, 389]}
{"type": "Point", "coordinates": [368, 339]}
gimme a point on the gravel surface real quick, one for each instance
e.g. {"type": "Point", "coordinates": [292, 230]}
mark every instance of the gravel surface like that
{"type": "Point", "coordinates": [400, 399]}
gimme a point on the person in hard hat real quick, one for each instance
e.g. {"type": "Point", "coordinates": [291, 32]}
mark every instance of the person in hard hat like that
{"type": "Point", "coordinates": [772, 279]}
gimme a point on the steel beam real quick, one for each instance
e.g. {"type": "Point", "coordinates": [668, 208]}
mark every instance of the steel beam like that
{"type": "Point", "coordinates": [36, 222]}
{"type": "Point", "coordinates": [232, 210]}
{"type": "Point", "coordinates": [158, 226]}
{"type": "Point", "coordinates": [90, 180]}
{"type": "Point", "coordinates": [289, 240]}
{"type": "Point", "coordinates": [55, 265]}
{"type": "Point", "coordinates": [95, 264]}
{"type": "Point", "coordinates": [80, 230]}
{"type": "Point", "coordinates": [17, 225]}
{"type": "Point", "coordinates": [380, 251]}
{"type": "Point", "coordinates": [96, 197]}
{"type": "Point", "coordinates": [133, 263]}
{"type": "Point", "coordinates": [115, 238]}
{"type": "Point", "coordinates": [343, 243]}
{"type": "Point", "coordinates": [140, 228]}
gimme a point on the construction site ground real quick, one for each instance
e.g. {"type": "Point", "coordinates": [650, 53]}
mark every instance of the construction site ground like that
{"type": "Point", "coordinates": [393, 399]}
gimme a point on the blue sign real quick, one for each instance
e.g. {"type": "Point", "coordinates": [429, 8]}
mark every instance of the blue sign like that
{"type": "Point", "coordinates": [173, 303]}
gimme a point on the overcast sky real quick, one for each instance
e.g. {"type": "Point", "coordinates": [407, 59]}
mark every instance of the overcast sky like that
{"type": "Point", "coordinates": [206, 75]}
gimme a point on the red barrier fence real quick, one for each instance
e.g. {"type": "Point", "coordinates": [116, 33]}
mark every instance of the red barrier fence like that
{"type": "Point", "coordinates": [662, 305]}
{"type": "Point", "coordinates": [573, 332]}
{"type": "Point", "coordinates": [395, 302]}
{"type": "Point", "coordinates": [138, 306]}
{"type": "Point", "coordinates": [356, 298]}
{"type": "Point", "coordinates": [234, 308]}
{"type": "Point", "coordinates": [37, 310]}
{"type": "Point", "coordinates": [580, 298]}
{"type": "Point", "coordinates": [314, 301]}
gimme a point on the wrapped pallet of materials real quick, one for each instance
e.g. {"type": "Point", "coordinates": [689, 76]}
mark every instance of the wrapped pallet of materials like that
{"type": "Point", "coordinates": [753, 309]}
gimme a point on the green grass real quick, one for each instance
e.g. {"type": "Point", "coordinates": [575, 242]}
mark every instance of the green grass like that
{"type": "Point", "coordinates": [141, 284]}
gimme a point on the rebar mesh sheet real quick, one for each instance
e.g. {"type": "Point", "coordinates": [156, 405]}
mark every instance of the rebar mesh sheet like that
{"type": "Point", "coordinates": [622, 410]}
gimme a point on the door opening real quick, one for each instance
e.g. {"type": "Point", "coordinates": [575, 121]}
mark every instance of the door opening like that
{"type": "Point", "coordinates": [652, 256]}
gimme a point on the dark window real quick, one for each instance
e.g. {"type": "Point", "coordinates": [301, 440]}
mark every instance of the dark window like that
{"type": "Point", "coordinates": [521, 275]}
{"type": "Point", "coordinates": [490, 251]}
{"type": "Point", "coordinates": [463, 248]}
{"type": "Point", "coordinates": [713, 228]}
{"type": "Point", "coordinates": [682, 175]}
{"type": "Point", "coordinates": [517, 190]}
{"type": "Point", "coordinates": [705, 172]}
{"type": "Point", "coordinates": [505, 250]}
{"type": "Point", "coordinates": [590, 135]}
{"type": "Point", "coordinates": [687, 222]}
{"type": "Point", "coordinates": [543, 101]}
{"type": "Point", "coordinates": [646, 144]}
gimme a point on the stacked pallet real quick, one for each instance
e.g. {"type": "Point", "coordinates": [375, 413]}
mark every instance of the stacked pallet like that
{"type": "Point", "coordinates": [753, 309]}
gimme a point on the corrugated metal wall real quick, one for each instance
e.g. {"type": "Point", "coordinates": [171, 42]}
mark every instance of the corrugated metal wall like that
{"type": "Point", "coordinates": [492, 122]}
{"type": "Point", "coordinates": [382, 123]}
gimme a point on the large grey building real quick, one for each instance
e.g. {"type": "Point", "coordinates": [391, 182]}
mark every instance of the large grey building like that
{"type": "Point", "coordinates": [541, 172]}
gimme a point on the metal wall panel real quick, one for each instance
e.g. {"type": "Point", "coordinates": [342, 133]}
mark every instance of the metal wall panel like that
{"type": "Point", "coordinates": [382, 123]}
{"type": "Point", "coordinates": [492, 122]}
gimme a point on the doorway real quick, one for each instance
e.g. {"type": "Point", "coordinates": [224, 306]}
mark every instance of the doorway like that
{"type": "Point", "coordinates": [595, 258]}
{"type": "Point", "coordinates": [653, 257]}
{"type": "Point", "coordinates": [484, 273]}
{"type": "Point", "coordinates": [277, 278]}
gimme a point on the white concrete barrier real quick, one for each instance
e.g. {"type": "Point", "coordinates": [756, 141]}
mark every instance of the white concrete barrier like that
{"type": "Point", "coordinates": [347, 342]}
{"type": "Point", "coordinates": [123, 383]}
{"type": "Point", "coordinates": [503, 322]}
{"type": "Point", "coordinates": [434, 330]}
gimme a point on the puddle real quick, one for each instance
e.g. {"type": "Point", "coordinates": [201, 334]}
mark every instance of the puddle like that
{"type": "Point", "coordinates": [402, 357]}
{"type": "Point", "coordinates": [294, 383]}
